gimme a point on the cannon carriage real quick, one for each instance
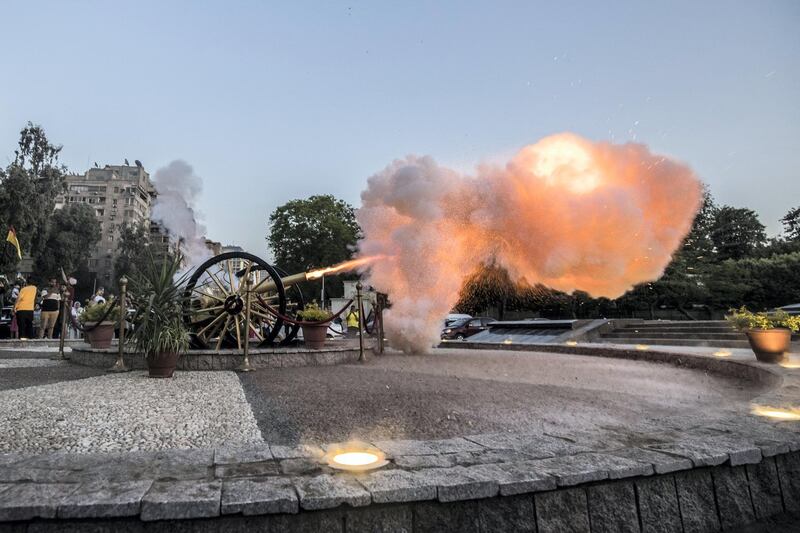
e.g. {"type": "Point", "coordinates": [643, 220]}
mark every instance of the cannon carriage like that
{"type": "Point", "coordinates": [215, 299]}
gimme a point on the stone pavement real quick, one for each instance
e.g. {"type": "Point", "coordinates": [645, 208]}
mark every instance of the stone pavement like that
{"type": "Point", "coordinates": [716, 475]}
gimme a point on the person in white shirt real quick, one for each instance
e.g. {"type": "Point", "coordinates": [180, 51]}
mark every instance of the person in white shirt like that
{"type": "Point", "coordinates": [98, 297]}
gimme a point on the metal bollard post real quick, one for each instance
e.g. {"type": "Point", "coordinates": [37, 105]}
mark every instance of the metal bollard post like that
{"type": "Point", "coordinates": [379, 300]}
{"type": "Point", "coordinates": [361, 357]}
{"type": "Point", "coordinates": [245, 366]}
{"type": "Point", "coordinates": [119, 365]}
{"type": "Point", "coordinates": [64, 313]}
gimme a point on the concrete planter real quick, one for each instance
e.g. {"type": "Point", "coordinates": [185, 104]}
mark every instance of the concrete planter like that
{"type": "Point", "coordinates": [99, 335]}
{"type": "Point", "coordinates": [770, 345]}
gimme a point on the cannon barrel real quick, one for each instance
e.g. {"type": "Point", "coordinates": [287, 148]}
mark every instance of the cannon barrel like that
{"type": "Point", "coordinates": [267, 284]}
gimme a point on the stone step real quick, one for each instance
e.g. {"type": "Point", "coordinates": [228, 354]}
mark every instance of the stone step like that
{"type": "Point", "coordinates": [676, 330]}
{"type": "Point", "coordinates": [727, 343]}
{"type": "Point", "coordinates": [729, 335]}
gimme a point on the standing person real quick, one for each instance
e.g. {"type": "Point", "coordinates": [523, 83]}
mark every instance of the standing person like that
{"type": "Point", "coordinates": [352, 321]}
{"type": "Point", "coordinates": [50, 307]}
{"type": "Point", "coordinates": [75, 311]}
{"type": "Point", "coordinates": [98, 296]}
{"type": "Point", "coordinates": [23, 309]}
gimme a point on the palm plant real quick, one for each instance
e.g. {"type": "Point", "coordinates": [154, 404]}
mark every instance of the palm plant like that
{"type": "Point", "coordinates": [157, 293]}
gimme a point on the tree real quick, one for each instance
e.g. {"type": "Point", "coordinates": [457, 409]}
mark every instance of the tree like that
{"type": "Point", "coordinates": [791, 224]}
{"type": "Point", "coordinates": [28, 187]}
{"type": "Point", "coordinates": [488, 287]}
{"type": "Point", "coordinates": [73, 233]}
{"type": "Point", "coordinates": [312, 233]}
{"type": "Point", "coordinates": [736, 233]}
{"type": "Point", "coordinates": [132, 250]}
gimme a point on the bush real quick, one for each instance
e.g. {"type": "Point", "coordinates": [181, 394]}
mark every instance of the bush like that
{"type": "Point", "coordinates": [742, 319]}
{"type": "Point", "coordinates": [96, 312]}
{"type": "Point", "coordinates": [313, 313]}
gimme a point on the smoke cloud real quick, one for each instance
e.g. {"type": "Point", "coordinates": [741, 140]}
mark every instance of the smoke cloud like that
{"type": "Point", "coordinates": [565, 212]}
{"type": "Point", "coordinates": [178, 188]}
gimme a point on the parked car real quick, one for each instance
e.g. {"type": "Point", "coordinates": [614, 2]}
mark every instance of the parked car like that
{"type": "Point", "coordinates": [5, 323]}
{"type": "Point", "coordinates": [466, 327]}
{"type": "Point", "coordinates": [452, 318]}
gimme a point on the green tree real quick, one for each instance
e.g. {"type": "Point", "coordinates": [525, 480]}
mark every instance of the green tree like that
{"type": "Point", "coordinates": [791, 224]}
{"type": "Point", "coordinates": [132, 250]}
{"type": "Point", "coordinates": [72, 234]}
{"type": "Point", "coordinates": [488, 288]}
{"type": "Point", "coordinates": [28, 188]}
{"type": "Point", "coordinates": [312, 233]}
{"type": "Point", "coordinates": [736, 233]}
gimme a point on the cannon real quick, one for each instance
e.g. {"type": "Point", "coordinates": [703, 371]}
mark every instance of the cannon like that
{"type": "Point", "coordinates": [214, 302]}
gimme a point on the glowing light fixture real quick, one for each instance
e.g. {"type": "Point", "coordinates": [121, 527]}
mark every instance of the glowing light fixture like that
{"type": "Point", "coordinates": [776, 412]}
{"type": "Point", "coordinates": [790, 363]}
{"type": "Point", "coordinates": [507, 341]}
{"type": "Point", "coordinates": [642, 347]}
{"type": "Point", "coordinates": [355, 456]}
{"type": "Point", "coordinates": [722, 353]}
{"type": "Point", "coordinates": [571, 343]}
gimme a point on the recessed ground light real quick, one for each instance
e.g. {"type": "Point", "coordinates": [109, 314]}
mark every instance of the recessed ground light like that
{"type": "Point", "coordinates": [571, 343]}
{"type": "Point", "coordinates": [722, 353]}
{"type": "Point", "coordinates": [507, 341]}
{"type": "Point", "coordinates": [642, 347]}
{"type": "Point", "coordinates": [355, 457]}
{"type": "Point", "coordinates": [790, 363]}
{"type": "Point", "coordinates": [776, 412]}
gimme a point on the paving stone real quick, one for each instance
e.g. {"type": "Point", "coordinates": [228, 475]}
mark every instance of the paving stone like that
{"type": "Point", "coordinates": [258, 496]}
{"type": "Point", "coordinates": [454, 484]}
{"type": "Point", "coordinates": [395, 448]}
{"type": "Point", "coordinates": [587, 467]}
{"type": "Point", "coordinates": [163, 465]}
{"type": "Point", "coordinates": [489, 457]}
{"type": "Point", "coordinates": [246, 454]}
{"type": "Point", "coordinates": [514, 478]}
{"type": "Point", "coordinates": [24, 501]}
{"type": "Point", "coordinates": [662, 463]}
{"type": "Point", "coordinates": [612, 507]}
{"type": "Point", "coordinates": [534, 445]}
{"type": "Point", "coordinates": [301, 467]}
{"type": "Point", "coordinates": [425, 461]}
{"type": "Point", "coordinates": [103, 499]}
{"type": "Point", "coordinates": [438, 517]}
{"type": "Point", "coordinates": [696, 500]}
{"type": "Point", "coordinates": [80, 526]}
{"type": "Point", "coordinates": [699, 455]}
{"type": "Point", "coordinates": [394, 519]}
{"type": "Point", "coordinates": [562, 510]}
{"type": "Point", "coordinates": [170, 500]}
{"type": "Point", "coordinates": [514, 513]}
{"type": "Point", "coordinates": [327, 491]}
{"type": "Point", "coordinates": [658, 505]}
{"type": "Point", "coordinates": [316, 522]}
{"type": "Point", "coordinates": [388, 486]}
{"type": "Point", "coordinates": [15, 474]}
{"type": "Point", "coordinates": [733, 496]}
{"type": "Point", "coordinates": [765, 488]}
{"type": "Point", "coordinates": [266, 468]}
{"type": "Point", "coordinates": [789, 476]}
{"type": "Point", "coordinates": [454, 445]}
{"type": "Point", "coordinates": [294, 452]}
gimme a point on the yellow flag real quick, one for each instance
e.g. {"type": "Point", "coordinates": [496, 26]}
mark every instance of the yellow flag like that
{"type": "Point", "coordinates": [12, 238]}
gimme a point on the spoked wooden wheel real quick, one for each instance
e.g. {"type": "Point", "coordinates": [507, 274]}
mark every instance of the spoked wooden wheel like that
{"type": "Point", "coordinates": [215, 297]}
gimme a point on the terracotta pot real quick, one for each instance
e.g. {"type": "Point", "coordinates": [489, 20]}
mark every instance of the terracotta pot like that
{"type": "Point", "coordinates": [314, 336]}
{"type": "Point", "coordinates": [769, 345]}
{"type": "Point", "coordinates": [162, 364]}
{"type": "Point", "coordinates": [101, 335]}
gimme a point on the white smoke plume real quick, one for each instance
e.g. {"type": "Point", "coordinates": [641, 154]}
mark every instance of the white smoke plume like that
{"type": "Point", "coordinates": [565, 212]}
{"type": "Point", "coordinates": [178, 188]}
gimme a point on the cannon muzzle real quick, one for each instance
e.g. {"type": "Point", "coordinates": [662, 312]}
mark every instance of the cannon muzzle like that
{"type": "Point", "coordinates": [267, 285]}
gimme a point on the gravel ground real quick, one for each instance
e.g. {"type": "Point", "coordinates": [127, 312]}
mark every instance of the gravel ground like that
{"type": "Point", "coordinates": [21, 373]}
{"type": "Point", "coordinates": [456, 393]}
{"type": "Point", "coordinates": [127, 412]}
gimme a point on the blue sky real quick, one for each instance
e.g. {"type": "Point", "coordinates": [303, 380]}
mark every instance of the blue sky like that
{"type": "Point", "coordinates": [271, 102]}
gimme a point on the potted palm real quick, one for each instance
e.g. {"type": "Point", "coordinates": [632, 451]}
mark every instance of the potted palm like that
{"type": "Point", "coordinates": [98, 321]}
{"type": "Point", "coordinates": [315, 325]}
{"type": "Point", "coordinates": [159, 332]}
{"type": "Point", "coordinates": [769, 334]}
